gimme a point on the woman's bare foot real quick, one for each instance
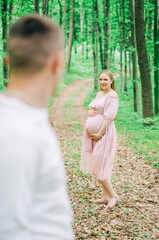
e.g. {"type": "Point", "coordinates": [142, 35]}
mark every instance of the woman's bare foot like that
{"type": "Point", "coordinates": [113, 202]}
{"type": "Point", "coordinates": [101, 200]}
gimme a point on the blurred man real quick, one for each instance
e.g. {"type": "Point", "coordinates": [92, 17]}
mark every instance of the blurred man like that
{"type": "Point", "coordinates": [33, 200]}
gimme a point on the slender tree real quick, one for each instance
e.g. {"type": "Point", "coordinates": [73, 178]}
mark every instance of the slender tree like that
{"type": "Point", "coordinates": [82, 17]}
{"type": "Point", "coordinates": [147, 103]}
{"type": "Point", "coordinates": [99, 31]}
{"type": "Point", "coordinates": [64, 20]}
{"type": "Point", "coordinates": [36, 6]}
{"type": "Point", "coordinates": [10, 10]}
{"type": "Point", "coordinates": [124, 44]}
{"type": "Point", "coordinates": [94, 47]}
{"type": "Point", "coordinates": [134, 56]}
{"type": "Point", "coordinates": [119, 17]}
{"type": "Point", "coordinates": [106, 32]}
{"type": "Point", "coordinates": [4, 37]}
{"type": "Point", "coordinates": [86, 32]}
{"type": "Point", "coordinates": [45, 7]}
{"type": "Point", "coordinates": [71, 35]}
{"type": "Point", "coordinates": [64, 17]}
{"type": "Point", "coordinates": [156, 56]}
{"type": "Point", "coordinates": [60, 7]}
{"type": "Point", "coordinates": [51, 12]}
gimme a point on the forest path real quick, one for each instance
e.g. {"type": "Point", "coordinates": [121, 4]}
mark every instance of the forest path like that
{"type": "Point", "coordinates": [136, 215]}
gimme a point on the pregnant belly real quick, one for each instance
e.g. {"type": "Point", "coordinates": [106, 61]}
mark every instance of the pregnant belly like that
{"type": "Point", "coordinates": [94, 124]}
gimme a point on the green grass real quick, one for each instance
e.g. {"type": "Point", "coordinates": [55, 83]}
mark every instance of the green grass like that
{"type": "Point", "coordinates": [142, 139]}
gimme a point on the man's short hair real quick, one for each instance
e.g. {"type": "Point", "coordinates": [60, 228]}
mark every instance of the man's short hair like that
{"type": "Point", "coordinates": [32, 39]}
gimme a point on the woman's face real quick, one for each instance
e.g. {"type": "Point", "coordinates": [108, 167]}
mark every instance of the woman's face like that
{"type": "Point", "coordinates": [105, 82]}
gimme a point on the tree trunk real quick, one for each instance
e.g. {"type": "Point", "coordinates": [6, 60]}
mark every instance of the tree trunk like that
{"type": "Point", "coordinates": [99, 32]}
{"type": "Point", "coordinates": [147, 103]}
{"type": "Point", "coordinates": [95, 49]}
{"type": "Point", "coordinates": [4, 37]}
{"type": "Point", "coordinates": [129, 63]}
{"type": "Point", "coordinates": [124, 44]}
{"type": "Point", "coordinates": [150, 30]}
{"type": "Point", "coordinates": [71, 35]}
{"type": "Point", "coordinates": [125, 68]}
{"type": "Point", "coordinates": [36, 6]}
{"type": "Point", "coordinates": [60, 6]}
{"type": "Point", "coordinates": [96, 60]}
{"type": "Point", "coordinates": [10, 11]}
{"type": "Point", "coordinates": [64, 17]}
{"type": "Point", "coordinates": [45, 7]}
{"type": "Point", "coordinates": [156, 56]}
{"type": "Point", "coordinates": [149, 22]}
{"type": "Point", "coordinates": [121, 68]}
{"type": "Point", "coordinates": [86, 34]}
{"type": "Point", "coordinates": [121, 46]}
{"type": "Point", "coordinates": [134, 56]}
{"type": "Point", "coordinates": [106, 32]}
{"type": "Point", "coordinates": [51, 13]}
{"type": "Point", "coordinates": [82, 15]}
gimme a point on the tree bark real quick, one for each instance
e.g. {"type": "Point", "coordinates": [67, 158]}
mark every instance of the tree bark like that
{"type": "Point", "coordinates": [121, 44]}
{"type": "Point", "coordinates": [106, 33]}
{"type": "Point", "coordinates": [121, 68]}
{"type": "Point", "coordinates": [64, 20]}
{"type": "Point", "coordinates": [71, 35]}
{"type": "Point", "coordinates": [60, 6]}
{"type": "Point", "coordinates": [10, 11]}
{"type": "Point", "coordinates": [86, 34]}
{"type": "Point", "coordinates": [36, 6]}
{"type": "Point", "coordinates": [134, 56]}
{"type": "Point", "coordinates": [64, 17]}
{"type": "Point", "coordinates": [124, 44]}
{"type": "Point", "coordinates": [82, 16]}
{"type": "Point", "coordinates": [94, 48]}
{"type": "Point", "coordinates": [45, 7]}
{"type": "Point", "coordinates": [147, 103]}
{"type": "Point", "coordinates": [125, 69]}
{"type": "Point", "coordinates": [51, 13]}
{"type": "Point", "coordinates": [4, 37]}
{"type": "Point", "coordinates": [156, 56]}
{"type": "Point", "coordinates": [99, 31]}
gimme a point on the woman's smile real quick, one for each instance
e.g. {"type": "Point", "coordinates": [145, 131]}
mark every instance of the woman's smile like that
{"type": "Point", "coordinates": [105, 82]}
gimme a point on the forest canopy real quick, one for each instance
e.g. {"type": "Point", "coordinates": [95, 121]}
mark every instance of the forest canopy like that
{"type": "Point", "coordinates": [122, 33]}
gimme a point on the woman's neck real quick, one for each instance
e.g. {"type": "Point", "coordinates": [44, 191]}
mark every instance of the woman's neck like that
{"type": "Point", "coordinates": [106, 91]}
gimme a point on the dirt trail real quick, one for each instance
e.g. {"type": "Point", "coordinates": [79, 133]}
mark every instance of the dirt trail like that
{"type": "Point", "coordinates": [136, 215]}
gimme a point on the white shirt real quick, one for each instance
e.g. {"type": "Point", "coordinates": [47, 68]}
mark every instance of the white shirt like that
{"type": "Point", "coordinates": [34, 203]}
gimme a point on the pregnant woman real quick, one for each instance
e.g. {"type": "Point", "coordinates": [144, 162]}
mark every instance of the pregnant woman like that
{"type": "Point", "coordinates": [99, 138]}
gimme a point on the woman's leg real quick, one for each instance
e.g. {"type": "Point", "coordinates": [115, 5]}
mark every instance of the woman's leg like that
{"type": "Point", "coordinates": [104, 193]}
{"type": "Point", "coordinates": [113, 197]}
{"type": "Point", "coordinates": [104, 197]}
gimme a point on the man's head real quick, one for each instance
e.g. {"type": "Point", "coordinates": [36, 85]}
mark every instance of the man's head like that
{"type": "Point", "coordinates": [33, 40]}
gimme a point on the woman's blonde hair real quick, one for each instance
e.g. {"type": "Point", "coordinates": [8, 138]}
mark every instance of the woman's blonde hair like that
{"type": "Point", "coordinates": [107, 72]}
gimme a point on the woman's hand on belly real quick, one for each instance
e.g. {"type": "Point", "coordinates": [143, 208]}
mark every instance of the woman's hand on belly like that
{"type": "Point", "coordinates": [92, 112]}
{"type": "Point", "coordinates": [95, 136]}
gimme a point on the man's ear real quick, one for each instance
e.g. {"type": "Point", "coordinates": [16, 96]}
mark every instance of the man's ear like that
{"type": "Point", "coordinates": [7, 61]}
{"type": "Point", "coordinates": [58, 62]}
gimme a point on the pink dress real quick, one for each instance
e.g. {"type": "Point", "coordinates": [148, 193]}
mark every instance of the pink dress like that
{"type": "Point", "coordinates": [97, 157]}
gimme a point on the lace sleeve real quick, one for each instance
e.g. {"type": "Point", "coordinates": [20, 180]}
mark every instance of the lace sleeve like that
{"type": "Point", "coordinates": [111, 107]}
